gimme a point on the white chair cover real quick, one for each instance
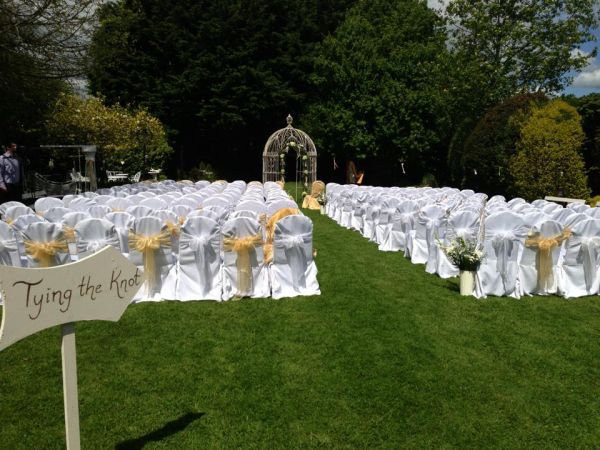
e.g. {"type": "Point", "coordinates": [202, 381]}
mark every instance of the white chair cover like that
{"type": "Point", "coordinates": [401, 224]}
{"type": "Point", "coordinates": [428, 222]}
{"type": "Point", "coordinates": [99, 211]}
{"type": "Point", "coordinates": [4, 206]}
{"type": "Point", "coordinates": [139, 211]}
{"type": "Point", "coordinates": [293, 270]}
{"type": "Point", "coordinates": [9, 250]}
{"type": "Point", "coordinates": [45, 232]}
{"type": "Point", "coordinates": [498, 275]}
{"type": "Point", "coordinates": [43, 204]}
{"type": "Point", "coordinates": [118, 204]}
{"type": "Point", "coordinates": [182, 211]}
{"type": "Point", "coordinates": [56, 213]}
{"type": "Point", "coordinates": [528, 273]}
{"type": "Point", "coordinates": [123, 222]}
{"type": "Point", "coordinates": [14, 212]}
{"type": "Point", "coordinates": [22, 221]}
{"type": "Point", "coordinates": [259, 286]}
{"type": "Point", "coordinates": [81, 204]}
{"type": "Point", "coordinates": [463, 224]}
{"type": "Point", "coordinates": [199, 265]}
{"type": "Point", "coordinates": [154, 203]}
{"type": "Point", "coordinates": [275, 206]}
{"type": "Point", "coordinates": [581, 261]}
{"type": "Point", "coordinates": [165, 275]}
{"type": "Point", "coordinates": [93, 235]}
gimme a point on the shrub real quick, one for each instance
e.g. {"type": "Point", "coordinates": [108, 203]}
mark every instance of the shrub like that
{"type": "Point", "coordinates": [488, 148]}
{"type": "Point", "coordinates": [122, 136]}
{"type": "Point", "coordinates": [548, 159]}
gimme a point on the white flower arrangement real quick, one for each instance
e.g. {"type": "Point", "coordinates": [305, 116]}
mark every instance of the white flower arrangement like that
{"type": "Point", "coordinates": [463, 253]}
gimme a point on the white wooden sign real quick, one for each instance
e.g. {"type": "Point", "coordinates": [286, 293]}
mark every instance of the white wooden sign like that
{"type": "Point", "coordinates": [98, 287]}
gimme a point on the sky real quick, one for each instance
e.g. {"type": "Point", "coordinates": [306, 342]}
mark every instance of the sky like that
{"type": "Point", "coordinates": [585, 82]}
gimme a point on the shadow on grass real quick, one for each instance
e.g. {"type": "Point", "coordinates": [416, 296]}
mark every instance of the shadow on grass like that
{"type": "Point", "coordinates": [169, 429]}
{"type": "Point", "coordinates": [452, 284]}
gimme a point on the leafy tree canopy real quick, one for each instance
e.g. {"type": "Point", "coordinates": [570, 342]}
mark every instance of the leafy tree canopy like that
{"type": "Point", "coordinates": [122, 136]}
{"type": "Point", "coordinates": [378, 91]}
{"type": "Point", "coordinates": [222, 75]}
{"type": "Point", "coordinates": [488, 148]}
{"type": "Point", "coordinates": [522, 45]}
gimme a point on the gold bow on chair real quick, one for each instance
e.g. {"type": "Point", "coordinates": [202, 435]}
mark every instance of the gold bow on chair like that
{"type": "Point", "coordinates": [242, 247]}
{"type": "Point", "coordinates": [69, 233]}
{"type": "Point", "coordinates": [44, 252]}
{"type": "Point", "coordinates": [173, 228]}
{"type": "Point", "coordinates": [270, 227]}
{"type": "Point", "coordinates": [147, 246]}
{"type": "Point", "coordinates": [544, 246]}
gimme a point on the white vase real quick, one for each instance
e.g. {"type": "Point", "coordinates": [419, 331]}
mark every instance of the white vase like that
{"type": "Point", "coordinates": [322, 209]}
{"type": "Point", "coordinates": [467, 282]}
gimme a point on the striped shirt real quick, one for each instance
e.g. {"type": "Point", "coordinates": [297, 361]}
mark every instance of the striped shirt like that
{"type": "Point", "coordinates": [11, 170]}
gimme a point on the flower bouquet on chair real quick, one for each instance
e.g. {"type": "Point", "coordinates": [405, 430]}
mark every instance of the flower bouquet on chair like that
{"type": "Point", "coordinates": [322, 201]}
{"type": "Point", "coordinates": [465, 255]}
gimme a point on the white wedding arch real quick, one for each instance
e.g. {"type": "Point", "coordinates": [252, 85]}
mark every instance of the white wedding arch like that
{"type": "Point", "coordinates": [279, 145]}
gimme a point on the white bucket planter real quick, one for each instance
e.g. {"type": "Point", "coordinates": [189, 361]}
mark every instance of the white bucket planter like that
{"type": "Point", "coordinates": [467, 282]}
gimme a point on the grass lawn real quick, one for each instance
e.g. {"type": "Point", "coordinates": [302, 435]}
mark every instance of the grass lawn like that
{"type": "Point", "coordinates": [387, 357]}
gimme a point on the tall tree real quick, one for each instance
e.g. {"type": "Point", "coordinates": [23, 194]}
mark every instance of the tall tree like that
{"type": "Point", "coordinates": [500, 48]}
{"type": "Point", "coordinates": [489, 147]}
{"type": "Point", "coordinates": [221, 74]}
{"type": "Point", "coordinates": [379, 96]}
{"type": "Point", "coordinates": [521, 45]}
{"type": "Point", "coordinates": [42, 42]}
{"type": "Point", "coordinates": [588, 107]}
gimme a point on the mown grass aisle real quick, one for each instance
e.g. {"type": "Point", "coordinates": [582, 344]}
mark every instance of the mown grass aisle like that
{"type": "Point", "coordinates": [388, 356]}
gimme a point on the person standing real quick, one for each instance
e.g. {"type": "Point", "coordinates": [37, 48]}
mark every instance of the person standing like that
{"type": "Point", "coordinates": [11, 175]}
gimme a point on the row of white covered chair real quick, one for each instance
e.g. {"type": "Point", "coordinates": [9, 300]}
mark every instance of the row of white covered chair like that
{"type": "Point", "coordinates": [537, 248]}
{"type": "Point", "coordinates": [194, 251]}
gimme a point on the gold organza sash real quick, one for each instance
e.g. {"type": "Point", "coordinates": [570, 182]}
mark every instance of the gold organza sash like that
{"type": "Point", "coordinates": [243, 246]}
{"type": "Point", "coordinates": [270, 227]}
{"type": "Point", "coordinates": [147, 246]}
{"type": "Point", "coordinates": [44, 252]}
{"type": "Point", "coordinates": [69, 233]}
{"type": "Point", "coordinates": [544, 247]}
{"type": "Point", "coordinates": [173, 228]}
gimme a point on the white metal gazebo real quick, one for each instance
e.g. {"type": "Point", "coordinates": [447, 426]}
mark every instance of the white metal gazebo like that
{"type": "Point", "coordinates": [278, 146]}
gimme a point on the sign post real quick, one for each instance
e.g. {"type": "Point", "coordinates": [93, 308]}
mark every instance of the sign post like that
{"type": "Point", "coordinates": [99, 287]}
